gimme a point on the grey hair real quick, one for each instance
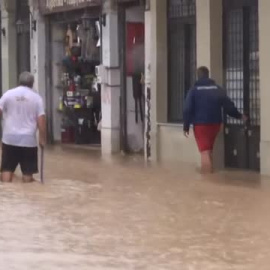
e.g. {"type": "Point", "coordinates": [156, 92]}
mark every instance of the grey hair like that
{"type": "Point", "coordinates": [26, 79]}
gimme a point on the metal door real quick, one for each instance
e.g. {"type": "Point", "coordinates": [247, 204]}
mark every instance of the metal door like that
{"type": "Point", "coordinates": [241, 71]}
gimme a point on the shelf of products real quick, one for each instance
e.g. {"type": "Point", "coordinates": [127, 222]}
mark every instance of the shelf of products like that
{"type": "Point", "coordinates": [80, 100]}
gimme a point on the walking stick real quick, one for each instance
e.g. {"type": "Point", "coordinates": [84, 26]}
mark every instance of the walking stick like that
{"type": "Point", "coordinates": [42, 164]}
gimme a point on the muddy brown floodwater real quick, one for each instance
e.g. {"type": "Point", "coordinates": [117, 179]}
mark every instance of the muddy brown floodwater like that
{"type": "Point", "coordinates": [95, 214]}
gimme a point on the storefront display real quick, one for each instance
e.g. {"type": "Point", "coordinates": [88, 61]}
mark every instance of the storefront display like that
{"type": "Point", "coordinates": [80, 102]}
{"type": "Point", "coordinates": [73, 51]}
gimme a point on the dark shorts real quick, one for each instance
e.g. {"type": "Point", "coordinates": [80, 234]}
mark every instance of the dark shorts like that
{"type": "Point", "coordinates": [206, 135]}
{"type": "Point", "coordinates": [26, 157]}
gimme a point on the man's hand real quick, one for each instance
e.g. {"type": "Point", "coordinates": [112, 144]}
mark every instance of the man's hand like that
{"type": "Point", "coordinates": [186, 134]}
{"type": "Point", "coordinates": [42, 130]}
{"type": "Point", "coordinates": [244, 118]}
{"type": "Point", "coordinates": [42, 142]}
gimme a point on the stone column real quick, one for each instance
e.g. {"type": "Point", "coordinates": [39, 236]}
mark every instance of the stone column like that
{"type": "Point", "coordinates": [210, 52]}
{"type": "Point", "coordinates": [158, 78]}
{"type": "Point", "coordinates": [9, 45]}
{"type": "Point", "coordinates": [264, 41]}
{"type": "Point", "coordinates": [110, 92]}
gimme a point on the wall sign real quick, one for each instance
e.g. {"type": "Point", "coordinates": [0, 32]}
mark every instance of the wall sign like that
{"type": "Point", "coordinates": [53, 6]}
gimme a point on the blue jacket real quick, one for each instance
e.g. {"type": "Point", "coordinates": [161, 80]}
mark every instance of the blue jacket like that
{"type": "Point", "coordinates": [205, 103]}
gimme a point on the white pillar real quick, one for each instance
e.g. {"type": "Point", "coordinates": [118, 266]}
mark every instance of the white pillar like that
{"type": "Point", "coordinates": [110, 92]}
{"type": "Point", "coordinates": [158, 77]}
{"type": "Point", "coordinates": [210, 52]}
{"type": "Point", "coordinates": [264, 41]}
{"type": "Point", "coordinates": [38, 53]}
{"type": "Point", "coordinates": [9, 45]}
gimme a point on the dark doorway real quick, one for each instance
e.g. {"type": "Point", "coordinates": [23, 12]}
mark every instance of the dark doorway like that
{"type": "Point", "coordinates": [181, 54]}
{"type": "Point", "coordinates": [23, 36]}
{"type": "Point", "coordinates": [132, 59]}
{"type": "Point", "coordinates": [241, 74]}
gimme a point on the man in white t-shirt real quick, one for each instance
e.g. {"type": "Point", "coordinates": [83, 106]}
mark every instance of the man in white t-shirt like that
{"type": "Point", "coordinates": [23, 115]}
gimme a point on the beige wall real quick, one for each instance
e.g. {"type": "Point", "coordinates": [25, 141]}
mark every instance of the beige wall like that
{"type": "Point", "coordinates": [174, 147]}
{"type": "Point", "coordinates": [264, 41]}
{"type": "Point", "coordinates": [209, 37]}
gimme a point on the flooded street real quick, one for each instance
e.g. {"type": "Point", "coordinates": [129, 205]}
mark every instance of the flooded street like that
{"type": "Point", "coordinates": [120, 214]}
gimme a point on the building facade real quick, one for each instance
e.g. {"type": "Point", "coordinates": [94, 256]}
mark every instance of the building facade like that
{"type": "Point", "coordinates": [228, 37]}
{"type": "Point", "coordinates": [163, 41]}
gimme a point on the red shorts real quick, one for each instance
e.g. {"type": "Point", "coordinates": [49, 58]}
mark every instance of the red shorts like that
{"type": "Point", "coordinates": [205, 136]}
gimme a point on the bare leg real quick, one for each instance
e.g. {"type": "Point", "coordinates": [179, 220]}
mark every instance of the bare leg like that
{"type": "Point", "coordinates": [206, 162]}
{"type": "Point", "coordinates": [7, 177]}
{"type": "Point", "coordinates": [211, 157]}
{"type": "Point", "coordinates": [28, 179]}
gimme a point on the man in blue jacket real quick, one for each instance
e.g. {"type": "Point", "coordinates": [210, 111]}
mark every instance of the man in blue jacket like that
{"type": "Point", "coordinates": [204, 107]}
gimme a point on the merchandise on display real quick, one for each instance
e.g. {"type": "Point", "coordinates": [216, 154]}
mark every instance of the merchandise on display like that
{"type": "Point", "coordinates": [80, 101]}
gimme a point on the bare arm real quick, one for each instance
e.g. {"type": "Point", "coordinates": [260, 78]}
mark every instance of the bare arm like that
{"type": "Point", "coordinates": [42, 130]}
{"type": "Point", "coordinates": [2, 105]}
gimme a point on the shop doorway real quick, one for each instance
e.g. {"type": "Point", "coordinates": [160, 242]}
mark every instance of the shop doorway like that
{"type": "Point", "coordinates": [241, 71]}
{"type": "Point", "coordinates": [75, 52]}
{"type": "Point", "coordinates": [181, 55]}
{"type": "Point", "coordinates": [132, 59]}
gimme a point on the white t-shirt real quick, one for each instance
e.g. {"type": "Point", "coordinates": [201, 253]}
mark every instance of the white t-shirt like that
{"type": "Point", "coordinates": [21, 108]}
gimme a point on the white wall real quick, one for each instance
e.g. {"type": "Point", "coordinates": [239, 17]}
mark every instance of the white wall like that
{"type": "Point", "coordinates": [135, 130]}
{"type": "Point", "coordinates": [38, 56]}
{"type": "Point", "coordinates": [110, 90]}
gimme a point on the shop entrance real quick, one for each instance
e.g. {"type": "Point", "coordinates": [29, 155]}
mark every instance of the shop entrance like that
{"type": "Point", "coordinates": [181, 55]}
{"type": "Point", "coordinates": [75, 43]}
{"type": "Point", "coordinates": [132, 58]}
{"type": "Point", "coordinates": [241, 58]}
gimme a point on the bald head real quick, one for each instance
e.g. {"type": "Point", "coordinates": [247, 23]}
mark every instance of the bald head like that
{"type": "Point", "coordinates": [26, 79]}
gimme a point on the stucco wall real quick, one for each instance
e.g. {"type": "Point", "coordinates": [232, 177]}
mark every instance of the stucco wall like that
{"type": "Point", "coordinates": [174, 147]}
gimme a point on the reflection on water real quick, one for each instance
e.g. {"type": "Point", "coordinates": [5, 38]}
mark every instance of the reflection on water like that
{"type": "Point", "coordinates": [120, 214]}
